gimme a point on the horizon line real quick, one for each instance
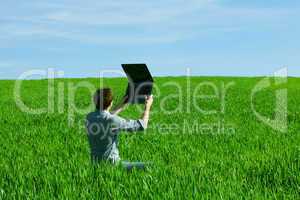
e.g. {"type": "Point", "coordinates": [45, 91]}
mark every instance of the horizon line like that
{"type": "Point", "coordinates": [156, 76]}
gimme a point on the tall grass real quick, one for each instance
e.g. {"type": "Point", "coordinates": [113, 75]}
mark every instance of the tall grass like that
{"type": "Point", "coordinates": [42, 156]}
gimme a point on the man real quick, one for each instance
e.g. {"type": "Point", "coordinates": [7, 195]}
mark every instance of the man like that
{"type": "Point", "coordinates": [104, 126]}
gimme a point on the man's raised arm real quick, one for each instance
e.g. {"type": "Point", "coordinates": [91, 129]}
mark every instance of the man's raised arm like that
{"type": "Point", "coordinates": [146, 114]}
{"type": "Point", "coordinates": [120, 107]}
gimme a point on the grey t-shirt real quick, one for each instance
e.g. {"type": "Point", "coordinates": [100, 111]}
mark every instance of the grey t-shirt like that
{"type": "Point", "coordinates": [103, 129]}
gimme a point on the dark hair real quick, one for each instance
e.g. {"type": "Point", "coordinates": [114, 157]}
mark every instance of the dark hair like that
{"type": "Point", "coordinates": [103, 98]}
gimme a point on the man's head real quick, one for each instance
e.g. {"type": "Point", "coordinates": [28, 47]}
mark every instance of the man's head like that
{"type": "Point", "coordinates": [103, 98]}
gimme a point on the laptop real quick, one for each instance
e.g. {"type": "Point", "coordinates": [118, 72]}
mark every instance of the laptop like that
{"type": "Point", "coordinates": [140, 82]}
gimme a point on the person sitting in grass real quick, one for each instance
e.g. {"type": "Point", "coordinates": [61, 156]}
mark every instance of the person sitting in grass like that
{"type": "Point", "coordinates": [104, 126]}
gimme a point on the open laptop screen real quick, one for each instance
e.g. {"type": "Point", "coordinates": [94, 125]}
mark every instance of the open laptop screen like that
{"type": "Point", "coordinates": [140, 82]}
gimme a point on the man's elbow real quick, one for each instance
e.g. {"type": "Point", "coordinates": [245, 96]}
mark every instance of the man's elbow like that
{"type": "Point", "coordinates": [144, 125]}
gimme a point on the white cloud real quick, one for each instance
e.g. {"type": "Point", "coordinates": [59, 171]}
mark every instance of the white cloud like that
{"type": "Point", "coordinates": [129, 22]}
{"type": "Point", "coordinates": [125, 12]}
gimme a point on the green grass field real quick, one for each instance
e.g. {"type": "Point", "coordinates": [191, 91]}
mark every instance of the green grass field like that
{"type": "Point", "coordinates": [233, 156]}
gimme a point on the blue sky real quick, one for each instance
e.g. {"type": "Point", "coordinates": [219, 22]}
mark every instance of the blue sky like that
{"type": "Point", "coordinates": [211, 37]}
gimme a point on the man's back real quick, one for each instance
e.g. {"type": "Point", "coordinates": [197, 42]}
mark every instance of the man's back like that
{"type": "Point", "coordinates": [103, 129]}
{"type": "Point", "coordinates": [101, 136]}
